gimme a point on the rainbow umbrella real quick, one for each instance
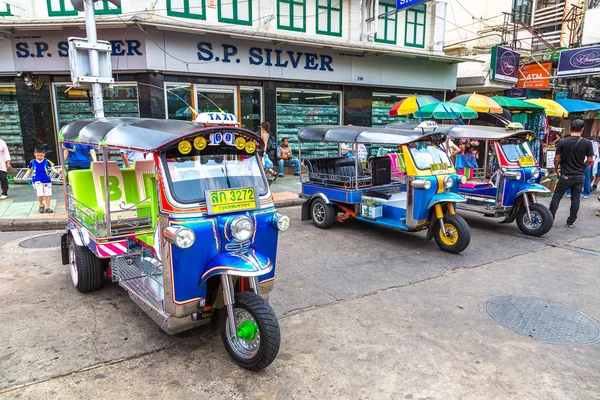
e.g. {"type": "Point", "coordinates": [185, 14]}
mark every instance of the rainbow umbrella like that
{"type": "Point", "coordinates": [553, 109]}
{"type": "Point", "coordinates": [411, 104]}
{"type": "Point", "coordinates": [478, 102]}
{"type": "Point", "coordinates": [445, 110]}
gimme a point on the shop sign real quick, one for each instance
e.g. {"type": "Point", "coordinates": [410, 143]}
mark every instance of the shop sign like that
{"type": "Point", "coordinates": [516, 93]}
{"type": "Point", "coordinates": [578, 62]}
{"type": "Point", "coordinates": [402, 4]}
{"type": "Point", "coordinates": [535, 76]}
{"type": "Point", "coordinates": [505, 65]}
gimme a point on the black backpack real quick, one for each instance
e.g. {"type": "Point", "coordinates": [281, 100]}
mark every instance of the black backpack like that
{"type": "Point", "coordinates": [271, 143]}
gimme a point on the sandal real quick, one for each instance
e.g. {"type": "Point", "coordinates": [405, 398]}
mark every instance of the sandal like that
{"type": "Point", "coordinates": [49, 211]}
{"type": "Point", "coordinates": [41, 209]}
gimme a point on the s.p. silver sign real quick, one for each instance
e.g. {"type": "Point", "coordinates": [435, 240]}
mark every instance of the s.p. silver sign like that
{"type": "Point", "coordinates": [581, 61]}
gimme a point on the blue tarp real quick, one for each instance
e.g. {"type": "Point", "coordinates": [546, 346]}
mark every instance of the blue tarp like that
{"type": "Point", "coordinates": [578, 106]}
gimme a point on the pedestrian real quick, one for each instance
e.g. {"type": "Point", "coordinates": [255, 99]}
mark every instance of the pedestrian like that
{"type": "Point", "coordinates": [285, 157]}
{"type": "Point", "coordinates": [4, 167]}
{"type": "Point", "coordinates": [596, 175]}
{"type": "Point", "coordinates": [571, 169]}
{"type": "Point", "coordinates": [41, 178]}
{"type": "Point", "coordinates": [78, 156]}
{"type": "Point", "coordinates": [265, 134]}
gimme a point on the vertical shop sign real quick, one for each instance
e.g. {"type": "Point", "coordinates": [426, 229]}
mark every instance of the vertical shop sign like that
{"type": "Point", "coordinates": [505, 65]}
{"type": "Point", "coordinates": [402, 4]}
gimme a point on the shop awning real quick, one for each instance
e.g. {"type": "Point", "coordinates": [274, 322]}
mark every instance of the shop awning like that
{"type": "Point", "coordinates": [578, 106]}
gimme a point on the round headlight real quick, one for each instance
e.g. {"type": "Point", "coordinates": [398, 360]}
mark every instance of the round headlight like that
{"type": "Point", "coordinates": [518, 176]}
{"type": "Point", "coordinates": [535, 173]}
{"type": "Point", "coordinates": [448, 181]}
{"type": "Point", "coordinates": [185, 238]}
{"type": "Point", "coordinates": [427, 185]}
{"type": "Point", "coordinates": [463, 179]}
{"type": "Point", "coordinates": [281, 222]}
{"type": "Point", "coordinates": [242, 228]}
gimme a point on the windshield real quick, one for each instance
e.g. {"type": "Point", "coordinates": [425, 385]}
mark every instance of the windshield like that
{"type": "Point", "coordinates": [216, 167]}
{"type": "Point", "coordinates": [515, 150]}
{"type": "Point", "coordinates": [428, 155]}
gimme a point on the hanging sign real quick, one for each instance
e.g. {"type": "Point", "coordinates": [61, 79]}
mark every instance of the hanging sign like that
{"type": "Point", "coordinates": [402, 4]}
{"type": "Point", "coordinates": [535, 76]}
{"type": "Point", "coordinates": [579, 62]}
{"type": "Point", "coordinates": [505, 65]}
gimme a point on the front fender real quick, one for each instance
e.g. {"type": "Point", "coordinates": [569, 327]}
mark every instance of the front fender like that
{"type": "Point", "coordinates": [446, 197]}
{"type": "Point", "coordinates": [305, 214]}
{"type": "Point", "coordinates": [245, 263]}
{"type": "Point", "coordinates": [532, 188]}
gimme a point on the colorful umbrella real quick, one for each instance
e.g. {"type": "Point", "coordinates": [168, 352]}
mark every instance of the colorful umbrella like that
{"type": "Point", "coordinates": [478, 102]}
{"type": "Point", "coordinates": [553, 109]}
{"type": "Point", "coordinates": [515, 104]}
{"type": "Point", "coordinates": [409, 105]}
{"type": "Point", "coordinates": [446, 110]}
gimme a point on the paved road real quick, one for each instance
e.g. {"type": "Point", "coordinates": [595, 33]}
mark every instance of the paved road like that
{"type": "Point", "coordinates": [365, 313]}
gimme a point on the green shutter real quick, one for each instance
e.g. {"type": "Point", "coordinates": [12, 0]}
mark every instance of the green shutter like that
{"type": "Point", "coordinates": [186, 11]}
{"type": "Point", "coordinates": [390, 24]}
{"type": "Point", "coordinates": [329, 13]}
{"type": "Point", "coordinates": [104, 8]}
{"type": "Point", "coordinates": [62, 9]}
{"type": "Point", "coordinates": [239, 9]}
{"type": "Point", "coordinates": [414, 27]}
{"type": "Point", "coordinates": [297, 18]}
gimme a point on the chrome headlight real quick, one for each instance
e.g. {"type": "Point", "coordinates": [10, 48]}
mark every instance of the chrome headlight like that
{"type": "Point", "coordinates": [242, 228]}
{"type": "Point", "coordinates": [421, 184]}
{"type": "Point", "coordinates": [508, 174]}
{"type": "Point", "coordinates": [535, 173]}
{"type": "Point", "coordinates": [281, 222]}
{"type": "Point", "coordinates": [448, 181]}
{"type": "Point", "coordinates": [462, 179]}
{"type": "Point", "coordinates": [180, 236]}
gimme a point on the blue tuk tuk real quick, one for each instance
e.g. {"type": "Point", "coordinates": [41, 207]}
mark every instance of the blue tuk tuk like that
{"type": "Point", "coordinates": [411, 188]}
{"type": "Point", "coordinates": [190, 232]}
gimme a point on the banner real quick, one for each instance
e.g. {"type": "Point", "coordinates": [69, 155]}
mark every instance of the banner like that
{"type": "Point", "coordinates": [505, 65]}
{"type": "Point", "coordinates": [581, 61]}
{"type": "Point", "coordinates": [535, 76]}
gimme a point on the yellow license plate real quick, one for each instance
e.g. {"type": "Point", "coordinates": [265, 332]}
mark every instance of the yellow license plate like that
{"type": "Point", "coordinates": [526, 161]}
{"type": "Point", "coordinates": [231, 200]}
{"type": "Point", "coordinates": [439, 168]}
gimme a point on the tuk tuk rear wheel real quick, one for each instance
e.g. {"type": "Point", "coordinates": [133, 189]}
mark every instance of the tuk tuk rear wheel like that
{"type": "Point", "coordinates": [541, 220]}
{"type": "Point", "coordinates": [86, 269]}
{"type": "Point", "coordinates": [261, 345]}
{"type": "Point", "coordinates": [323, 214]}
{"type": "Point", "coordinates": [458, 234]}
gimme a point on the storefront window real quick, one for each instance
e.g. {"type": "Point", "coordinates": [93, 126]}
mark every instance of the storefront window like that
{"type": "Point", "coordinates": [179, 101]}
{"type": "Point", "coordinates": [76, 104]}
{"type": "Point", "coordinates": [388, 28]}
{"type": "Point", "coordinates": [291, 15]}
{"type": "Point", "coordinates": [10, 125]}
{"type": "Point", "coordinates": [382, 103]}
{"type": "Point", "coordinates": [216, 99]}
{"type": "Point", "coordinates": [60, 8]}
{"type": "Point", "coordinates": [194, 9]}
{"type": "Point", "coordinates": [235, 12]}
{"type": "Point", "coordinates": [297, 109]}
{"type": "Point", "coordinates": [414, 30]}
{"type": "Point", "coordinates": [251, 115]}
{"type": "Point", "coordinates": [329, 17]}
{"type": "Point", "coordinates": [105, 8]}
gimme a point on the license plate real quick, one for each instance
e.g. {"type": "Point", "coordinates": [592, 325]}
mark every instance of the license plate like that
{"type": "Point", "coordinates": [440, 168]}
{"type": "Point", "coordinates": [231, 200]}
{"type": "Point", "coordinates": [526, 161]}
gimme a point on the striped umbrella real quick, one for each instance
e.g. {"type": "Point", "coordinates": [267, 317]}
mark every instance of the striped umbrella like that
{"type": "Point", "coordinates": [478, 102]}
{"type": "Point", "coordinates": [445, 110]}
{"type": "Point", "coordinates": [411, 104]}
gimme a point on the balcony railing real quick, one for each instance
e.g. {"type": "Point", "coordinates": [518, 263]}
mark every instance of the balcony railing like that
{"type": "Point", "coordinates": [548, 16]}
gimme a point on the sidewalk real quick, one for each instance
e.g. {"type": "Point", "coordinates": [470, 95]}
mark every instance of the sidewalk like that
{"type": "Point", "coordinates": [20, 210]}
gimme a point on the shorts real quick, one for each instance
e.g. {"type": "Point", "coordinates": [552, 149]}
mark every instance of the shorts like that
{"type": "Point", "coordinates": [43, 189]}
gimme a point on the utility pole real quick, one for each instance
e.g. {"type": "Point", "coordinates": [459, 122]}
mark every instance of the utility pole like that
{"type": "Point", "coordinates": [92, 38]}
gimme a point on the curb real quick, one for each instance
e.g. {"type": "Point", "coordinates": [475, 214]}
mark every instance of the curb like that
{"type": "Point", "coordinates": [23, 224]}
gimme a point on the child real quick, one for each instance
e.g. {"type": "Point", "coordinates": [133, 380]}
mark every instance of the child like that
{"type": "Point", "coordinates": [41, 179]}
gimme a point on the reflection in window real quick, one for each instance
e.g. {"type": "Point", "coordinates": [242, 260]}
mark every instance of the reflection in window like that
{"type": "Point", "coordinates": [178, 102]}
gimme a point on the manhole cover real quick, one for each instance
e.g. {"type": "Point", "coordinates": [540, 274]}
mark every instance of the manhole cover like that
{"type": "Point", "coordinates": [42, 242]}
{"type": "Point", "coordinates": [544, 320]}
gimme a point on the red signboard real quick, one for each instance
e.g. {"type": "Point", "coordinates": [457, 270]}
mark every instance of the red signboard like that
{"type": "Point", "coordinates": [535, 76]}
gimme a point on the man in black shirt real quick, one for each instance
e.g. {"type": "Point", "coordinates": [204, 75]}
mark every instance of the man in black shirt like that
{"type": "Point", "coordinates": [570, 153]}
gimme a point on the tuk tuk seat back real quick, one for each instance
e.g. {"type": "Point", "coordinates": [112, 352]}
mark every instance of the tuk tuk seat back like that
{"type": "Point", "coordinates": [336, 171]}
{"type": "Point", "coordinates": [143, 169]}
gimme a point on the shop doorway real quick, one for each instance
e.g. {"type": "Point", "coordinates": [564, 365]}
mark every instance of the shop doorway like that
{"type": "Point", "coordinates": [216, 99]}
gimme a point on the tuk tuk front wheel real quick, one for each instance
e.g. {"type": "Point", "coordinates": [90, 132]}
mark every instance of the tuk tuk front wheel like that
{"type": "Point", "coordinates": [258, 335]}
{"type": "Point", "coordinates": [323, 214]}
{"type": "Point", "coordinates": [540, 223]}
{"type": "Point", "coordinates": [457, 237]}
{"type": "Point", "coordinates": [86, 269]}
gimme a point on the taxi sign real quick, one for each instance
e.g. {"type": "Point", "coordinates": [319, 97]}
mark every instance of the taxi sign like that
{"type": "Point", "coordinates": [428, 126]}
{"type": "Point", "coordinates": [217, 118]}
{"type": "Point", "coordinates": [231, 200]}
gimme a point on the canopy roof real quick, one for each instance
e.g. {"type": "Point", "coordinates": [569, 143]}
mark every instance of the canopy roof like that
{"type": "Point", "coordinates": [471, 131]}
{"type": "Point", "coordinates": [143, 134]}
{"type": "Point", "coordinates": [361, 134]}
{"type": "Point", "coordinates": [578, 106]}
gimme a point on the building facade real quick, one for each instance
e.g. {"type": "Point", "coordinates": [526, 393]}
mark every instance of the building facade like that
{"type": "Point", "coordinates": [289, 62]}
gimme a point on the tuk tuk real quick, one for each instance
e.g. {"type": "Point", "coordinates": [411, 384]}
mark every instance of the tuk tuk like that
{"type": "Point", "coordinates": [190, 232]}
{"type": "Point", "coordinates": [505, 181]}
{"type": "Point", "coordinates": [411, 188]}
